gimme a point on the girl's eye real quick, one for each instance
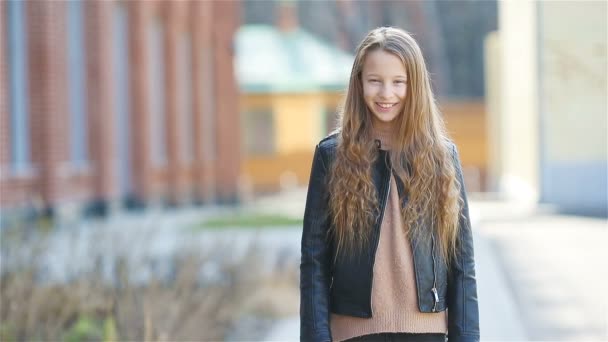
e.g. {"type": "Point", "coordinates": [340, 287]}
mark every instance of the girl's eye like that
{"type": "Point", "coordinates": [400, 81]}
{"type": "Point", "coordinates": [374, 81]}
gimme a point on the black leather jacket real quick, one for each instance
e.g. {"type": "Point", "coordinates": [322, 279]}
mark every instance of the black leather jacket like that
{"type": "Point", "coordinates": [345, 286]}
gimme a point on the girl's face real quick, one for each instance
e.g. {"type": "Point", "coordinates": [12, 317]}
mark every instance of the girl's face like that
{"type": "Point", "coordinates": [384, 86]}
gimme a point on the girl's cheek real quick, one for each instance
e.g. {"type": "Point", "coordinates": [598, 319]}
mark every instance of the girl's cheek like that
{"type": "Point", "coordinates": [403, 91]}
{"type": "Point", "coordinates": [369, 90]}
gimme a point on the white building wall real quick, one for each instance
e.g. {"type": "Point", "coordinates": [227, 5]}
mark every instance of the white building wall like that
{"type": "Point", "coordinates": [573, 93]}
{"type": "Point", "coordinates": [547, 103]}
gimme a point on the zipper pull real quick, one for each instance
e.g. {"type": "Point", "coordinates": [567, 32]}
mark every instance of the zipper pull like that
{"type": "Point", "coordinates": [435, 298]}
{"type": "Point", "coordinates": [434, 289]}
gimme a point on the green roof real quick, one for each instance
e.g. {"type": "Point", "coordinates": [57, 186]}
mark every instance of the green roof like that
{"type": "Point", "coordinates": [271, 61]}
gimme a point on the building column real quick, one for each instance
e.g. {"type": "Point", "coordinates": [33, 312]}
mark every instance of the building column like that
{"type": "Point", "coordinates": [226, 109]}
{"type": "Point", "coordinates": [48, 95]}
{"type": "Point", "coordinates": [98, 21]}
{"type": "Point", "coordinates": [205, 148]}
{"type": "Point", "coordinates": [139, 12]}
{"type": "Point", "coordinates": [519, 117]}
{"type": "Point", "coordinates": [174, 178]}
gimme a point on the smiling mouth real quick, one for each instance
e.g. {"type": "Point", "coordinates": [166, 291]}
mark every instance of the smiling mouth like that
{"type": "Point", "coordinates": [386, 105]}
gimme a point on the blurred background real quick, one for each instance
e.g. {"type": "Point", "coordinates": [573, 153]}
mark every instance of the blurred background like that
{"type": "Point", "coordinates": [154, 157]}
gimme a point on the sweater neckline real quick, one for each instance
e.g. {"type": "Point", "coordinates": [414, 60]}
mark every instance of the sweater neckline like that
{"type": "Point", "coordinates": [383, 137]}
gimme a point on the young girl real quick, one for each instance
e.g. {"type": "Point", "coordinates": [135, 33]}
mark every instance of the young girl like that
{"type": "Point", "coordinates": [387, 250]}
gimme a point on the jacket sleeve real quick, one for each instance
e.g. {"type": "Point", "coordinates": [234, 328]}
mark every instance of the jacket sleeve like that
{"type": "Point", "coordinates": [463, 312]}
{"type": "Point", "coordinates": [315, 262]}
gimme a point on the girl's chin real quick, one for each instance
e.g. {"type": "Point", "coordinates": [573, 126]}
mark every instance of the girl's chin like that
{"type": "Point", "coordinates": [384, 117]}
{"type": "Point", "coordinates": [382, 122]}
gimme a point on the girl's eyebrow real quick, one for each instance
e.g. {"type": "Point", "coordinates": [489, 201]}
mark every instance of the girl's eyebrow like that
{"type": "Point", "coordinates": [376, 75]}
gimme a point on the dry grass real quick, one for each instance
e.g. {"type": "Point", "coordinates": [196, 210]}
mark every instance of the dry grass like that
{"type": "Point", "coordinates": [176, 308]}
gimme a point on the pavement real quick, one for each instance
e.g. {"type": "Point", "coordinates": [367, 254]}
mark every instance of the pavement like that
{"type": "Point", "coordinates": [555, 270]}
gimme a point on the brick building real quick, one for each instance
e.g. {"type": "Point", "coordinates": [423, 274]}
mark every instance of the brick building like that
{"type": "Point", "coordinates": [117, 102]}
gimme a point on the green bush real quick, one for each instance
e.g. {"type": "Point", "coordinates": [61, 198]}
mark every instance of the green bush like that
{"type": "Point", "coordinates": [85, 329]}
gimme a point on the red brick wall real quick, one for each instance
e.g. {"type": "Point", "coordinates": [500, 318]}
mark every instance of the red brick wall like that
{"type": "Point", "coordinates": [138, 12]}
{"type": "Point", "coordinates": [211, 26]}
{"type": "Point", "coordinates": [200, 23]}
{"type": "Point", "coordinates": [173, 18]}
{"type": "Point", "coordinates": [205, 100]}
{"type": "Point", "coordinates": [228, 134]}
{"type": "Point", "coordinates": [99, 94]}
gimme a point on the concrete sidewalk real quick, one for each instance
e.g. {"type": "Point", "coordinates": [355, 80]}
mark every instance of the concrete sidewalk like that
{"type": "Point", "coordinates": [555, 267]}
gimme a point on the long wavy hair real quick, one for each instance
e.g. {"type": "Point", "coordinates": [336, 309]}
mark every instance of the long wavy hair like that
{"type": "Point", "coordinates": [420, 157]}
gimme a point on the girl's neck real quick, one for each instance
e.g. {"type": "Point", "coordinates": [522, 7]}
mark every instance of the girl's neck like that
{"type": "Point", "coordinates": [384, 132]}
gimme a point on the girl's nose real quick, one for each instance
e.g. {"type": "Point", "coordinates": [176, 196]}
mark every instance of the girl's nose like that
{"type": "Point", "coordinates": [385, 91]}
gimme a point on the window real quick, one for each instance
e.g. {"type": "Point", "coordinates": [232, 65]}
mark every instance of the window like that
{"type": "Point", "coordinates": [186, 115]}
{"type": "Point", "coordinates": [76, 84]}
{"type": "Point", "coordinates": [157, 93]}
{"type": "Point", "coordinates": [122, 99]}
{"type": "Point", "coordinates": [208, 110]}
{"type": "Point", "coordinates": [259, 133]}
{"type": "Point", "coordinates": [17, 59]}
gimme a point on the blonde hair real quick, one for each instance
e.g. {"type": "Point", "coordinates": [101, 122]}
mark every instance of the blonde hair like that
{"type": "Point", "coordinates": [420, 156]}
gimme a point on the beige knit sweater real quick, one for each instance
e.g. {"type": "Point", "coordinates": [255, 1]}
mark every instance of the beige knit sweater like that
{"type": "Point", "coordinates": [394, 296]}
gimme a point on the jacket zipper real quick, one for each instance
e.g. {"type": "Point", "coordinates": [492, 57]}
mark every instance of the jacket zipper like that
{"type": "Point", "coordinates": [388, 190]}
{"type": "Point", "coordinates": [434, 289]}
